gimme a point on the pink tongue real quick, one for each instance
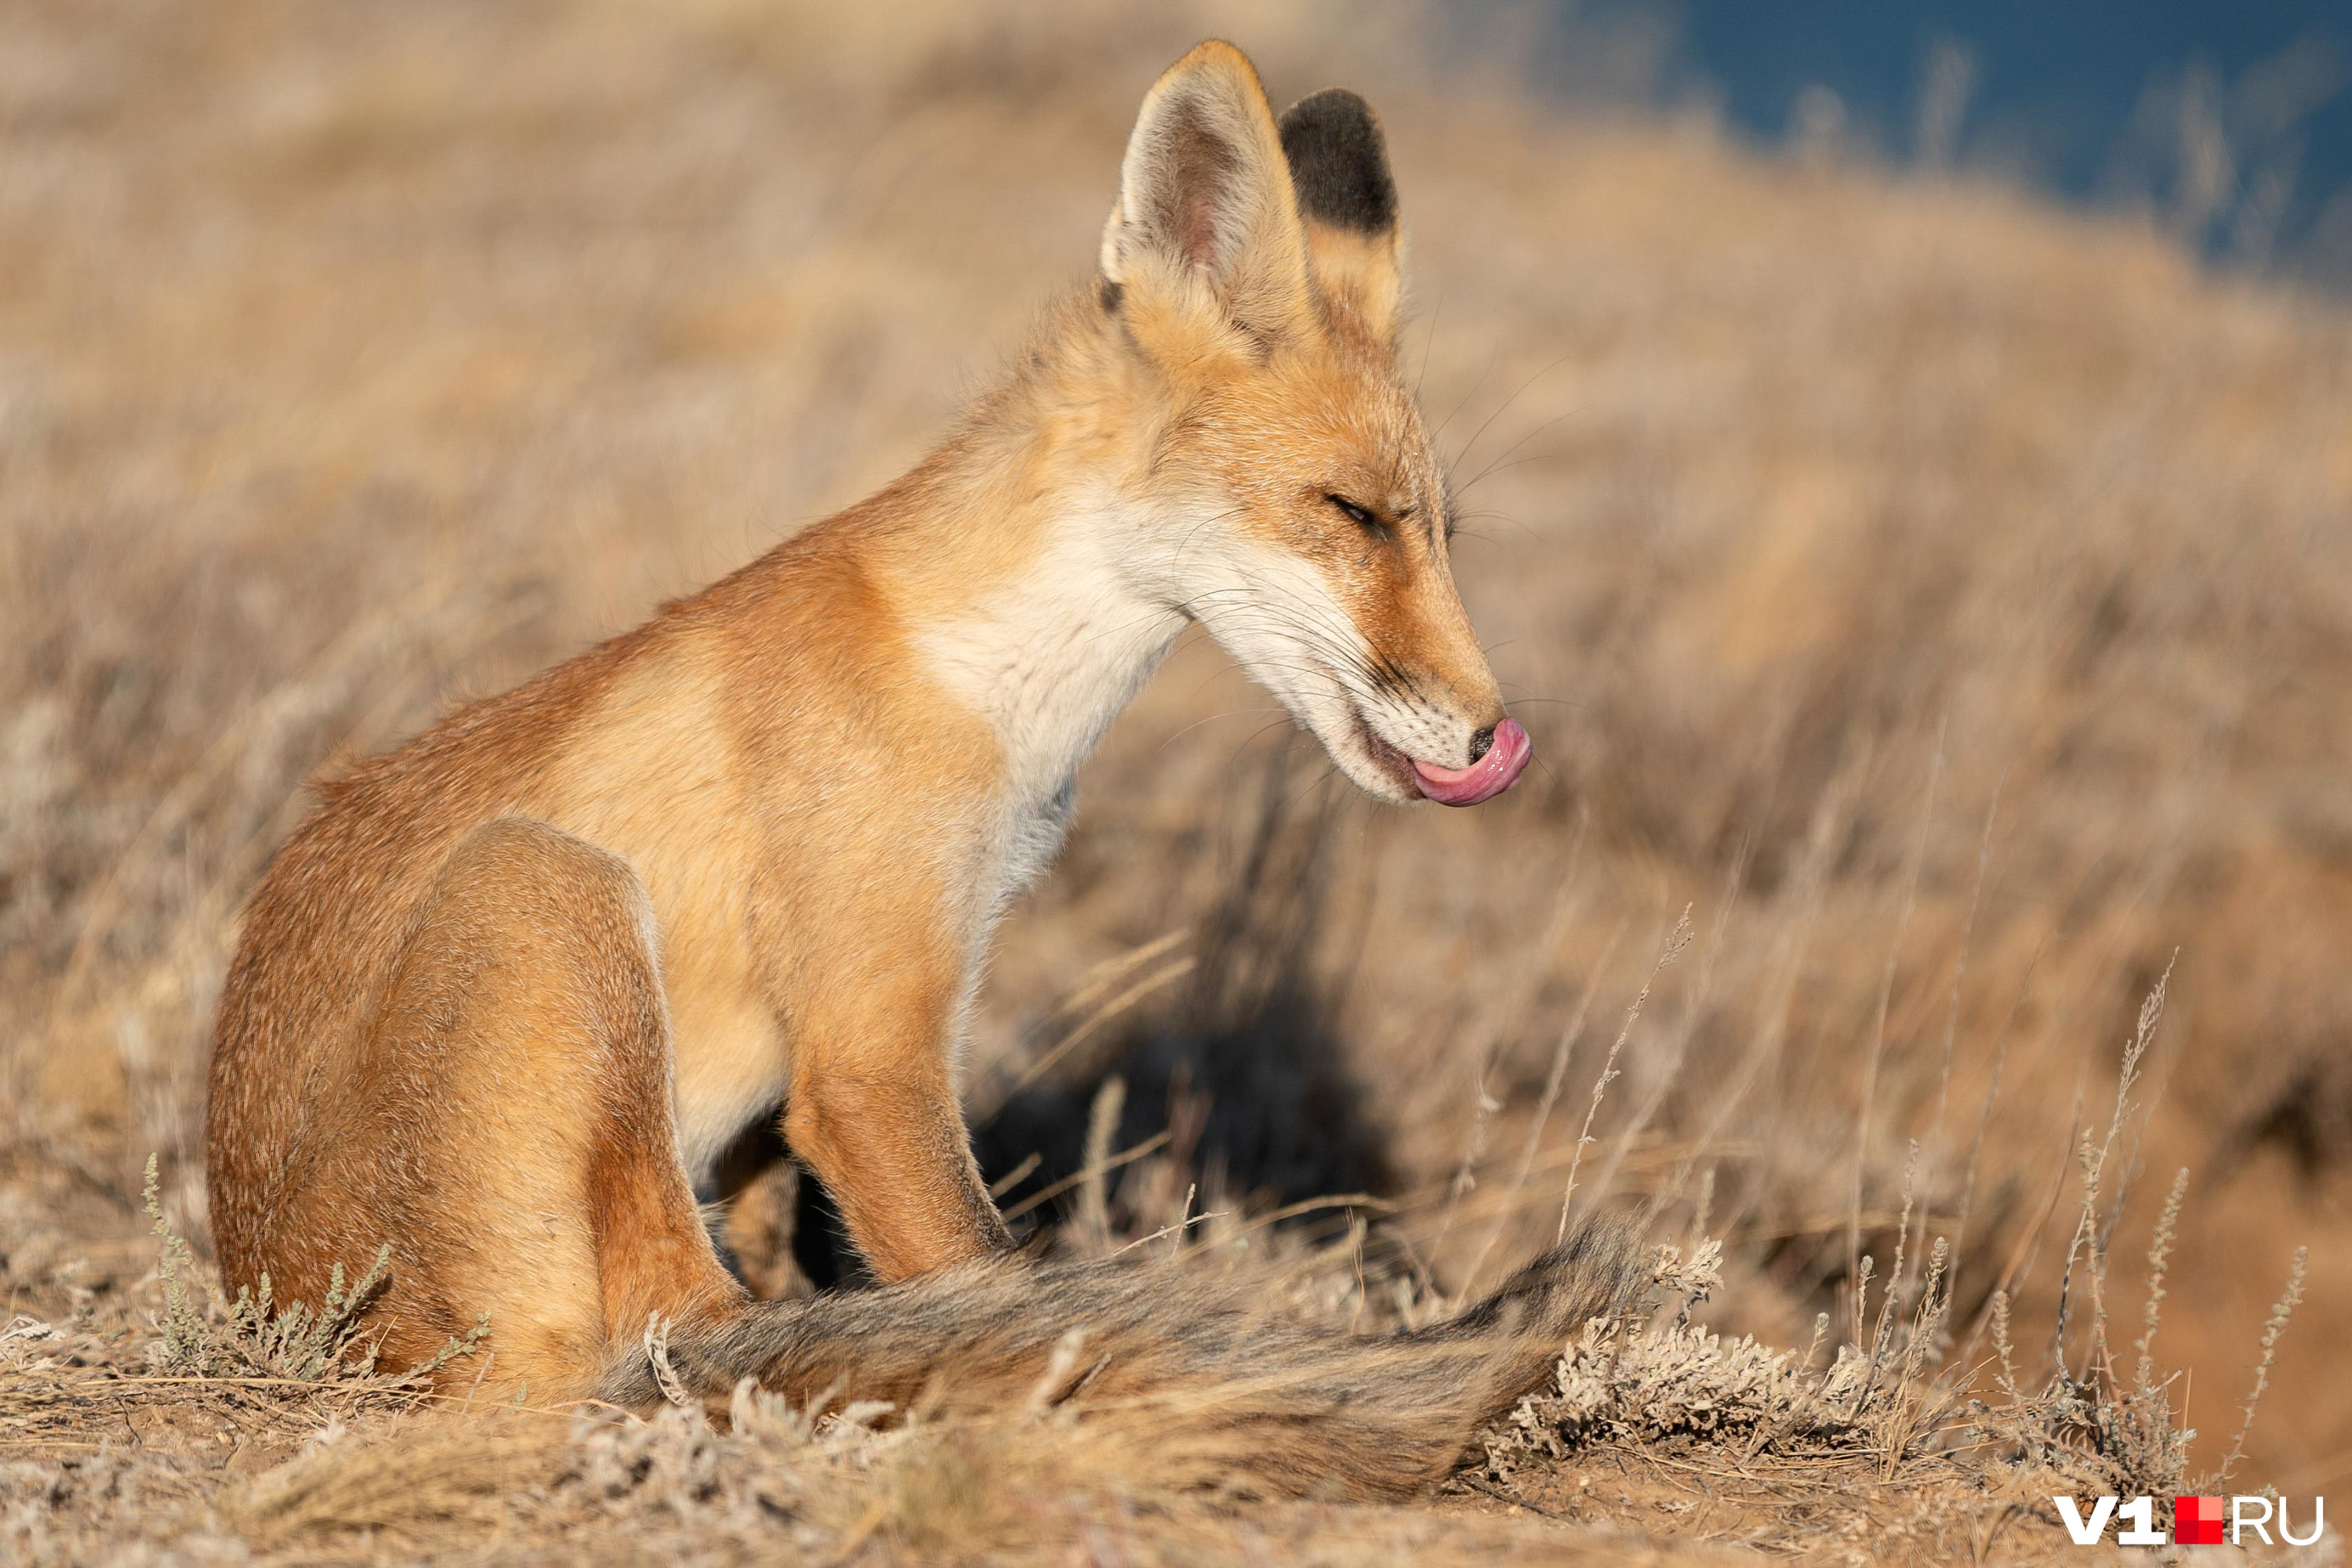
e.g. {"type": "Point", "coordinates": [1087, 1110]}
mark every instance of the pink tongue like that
{"type": "Point", "coordinates": [1506, 757]}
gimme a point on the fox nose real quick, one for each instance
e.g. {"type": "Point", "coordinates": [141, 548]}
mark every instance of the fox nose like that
{"type": "Point", "coordinates": [1479, 742]}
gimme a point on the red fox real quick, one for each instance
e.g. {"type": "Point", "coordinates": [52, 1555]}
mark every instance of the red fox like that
{"type": "Point", "coordinates": [508, 993]}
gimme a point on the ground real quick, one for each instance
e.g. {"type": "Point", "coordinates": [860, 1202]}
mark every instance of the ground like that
{"type": "Point", "coordinates": [1944, 598]}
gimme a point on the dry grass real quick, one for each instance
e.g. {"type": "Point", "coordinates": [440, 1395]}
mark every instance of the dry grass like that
{"type": "Point", "coordinates": [1945, 599]}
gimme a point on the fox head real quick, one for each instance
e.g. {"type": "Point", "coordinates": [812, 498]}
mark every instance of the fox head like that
{"type": "Point", "coordinates": [1292, 503]}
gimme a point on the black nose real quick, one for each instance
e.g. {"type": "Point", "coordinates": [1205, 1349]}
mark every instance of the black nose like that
{"type": "Point", "coordinates": [1479, 742]}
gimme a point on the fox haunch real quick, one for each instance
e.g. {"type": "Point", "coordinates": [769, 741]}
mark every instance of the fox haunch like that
{"type": "Point", "coordinates": [512, 990]}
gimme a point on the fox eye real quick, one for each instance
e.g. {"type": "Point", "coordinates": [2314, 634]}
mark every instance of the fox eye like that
{"type": "Point", "coordinates": [1362, 516]}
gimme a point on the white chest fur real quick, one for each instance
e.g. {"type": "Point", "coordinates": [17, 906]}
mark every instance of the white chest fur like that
{"type": "Point", "coordinates": [1049, 659]}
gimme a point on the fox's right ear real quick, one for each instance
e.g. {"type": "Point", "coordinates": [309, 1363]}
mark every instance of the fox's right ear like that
{"type": "Point", "coordinates": [1205, 215]}
{"type": "Point", "coordinates": [1339, 168]}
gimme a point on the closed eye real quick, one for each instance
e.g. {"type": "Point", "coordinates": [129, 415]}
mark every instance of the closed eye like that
{"type": "Point", "coordinates": [1362, 516]}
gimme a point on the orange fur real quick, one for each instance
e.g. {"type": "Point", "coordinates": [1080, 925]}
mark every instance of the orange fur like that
{"type": "Point", "coordinates": [508, 993]}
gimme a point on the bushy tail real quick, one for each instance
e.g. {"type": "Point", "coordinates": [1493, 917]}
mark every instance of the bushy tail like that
{"type": "Point", "coordinates": [1227, 1393]}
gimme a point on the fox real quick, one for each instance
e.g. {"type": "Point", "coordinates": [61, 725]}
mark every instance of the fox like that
{"type": "Point", "coordinates": [506, 995]}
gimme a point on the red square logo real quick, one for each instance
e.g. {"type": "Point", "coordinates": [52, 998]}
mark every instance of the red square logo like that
{"type": "Point", "coordinates": [2197, 1520]}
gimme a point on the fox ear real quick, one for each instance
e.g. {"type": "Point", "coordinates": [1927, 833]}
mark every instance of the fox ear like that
{"type": "Point", "coordinates": [1205, 209]}
{"type": "Point", "coordinates": [1347, 198]}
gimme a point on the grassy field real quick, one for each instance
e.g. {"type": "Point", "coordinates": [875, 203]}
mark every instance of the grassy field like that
{"type": "Point", "coordinates": [1940, 603]}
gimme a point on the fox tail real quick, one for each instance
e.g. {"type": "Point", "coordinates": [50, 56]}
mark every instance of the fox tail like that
{"type": "Point", "coordinates": [1229, 1394]}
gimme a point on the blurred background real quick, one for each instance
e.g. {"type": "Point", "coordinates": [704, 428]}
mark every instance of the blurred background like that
{"type": "Point", "coordinates": [1906, 453]}
{"type": "Point", "coordinates": [2228, 123]}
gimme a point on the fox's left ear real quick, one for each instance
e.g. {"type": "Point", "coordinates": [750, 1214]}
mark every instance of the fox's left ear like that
{"type": "Point", "coordinates": [1347, 200]}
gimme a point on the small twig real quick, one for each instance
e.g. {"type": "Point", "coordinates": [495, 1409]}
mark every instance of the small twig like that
{"type": "Point", "coordinates": [1678, 938]}
{"type": "Point", "coordinates": [1479, 1484]}
{"type": "Point", "coordinates": [2159, 1248]}
{"type": "Point", "coordinates": [2001, 1345]}
{"type": "Point", "coordinates": [1078, 1036]}
{"type": "Point", "coordinates": [1016, 1176]}
{"type": "Point", "coordinates": [1172, 1230]}
{"type": "Point", "coordinates": [1094, 1192]}
{"type": "Point", "coordinates": [1984, 1113]}
{"type": "Point", "coordinates": [475, 1387]}
{"type": "Point", "coordinates": [1568, 1038]}
{"type": "Point", "coordinates": [1952, 1007]}
{"type": "Point", "coordinates": [1878, 1026]}
{"type": "Point", "coordinates": [2271, 1330]}
{"type": "Point", "coordinates": [1056, 1189]}
{"type": "Point", "coordinates": [657, 1348]}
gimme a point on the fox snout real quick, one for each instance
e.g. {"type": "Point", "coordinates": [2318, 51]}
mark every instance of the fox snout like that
{"type": "Point", "coordinates": [1441, 757]}
{"type": "Point", "coordinates": [1427, 698]}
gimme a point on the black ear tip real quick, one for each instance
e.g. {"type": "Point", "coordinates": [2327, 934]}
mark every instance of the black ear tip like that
{"type": "Point", "coordinates": [1339, 162]}
{"type": "Point", "coordinates": [1332, 105]}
